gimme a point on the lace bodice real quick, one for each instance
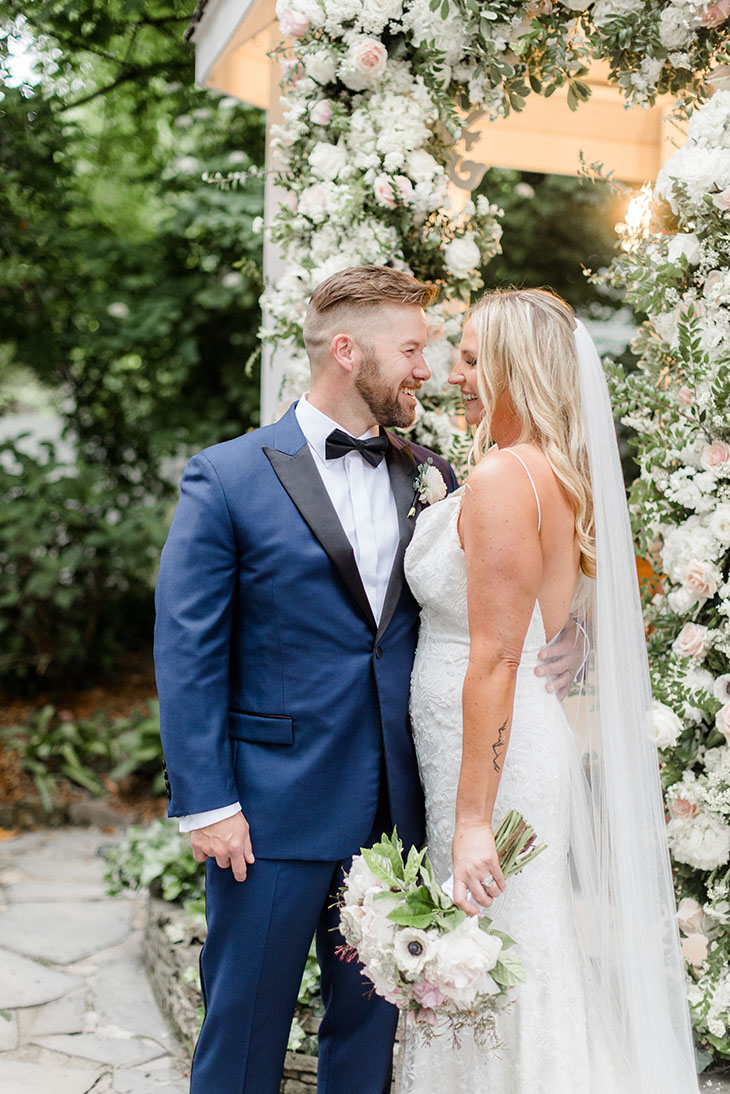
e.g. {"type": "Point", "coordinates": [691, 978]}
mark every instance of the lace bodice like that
{"type": "Point", "coordinates": [551, 1043]}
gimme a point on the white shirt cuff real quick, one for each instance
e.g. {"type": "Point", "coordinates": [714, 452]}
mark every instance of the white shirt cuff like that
{"type": "Point", "coordinates": [210, 816]}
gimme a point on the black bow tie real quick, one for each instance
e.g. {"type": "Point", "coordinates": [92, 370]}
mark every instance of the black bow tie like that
{"type": "Point", "coordinates": [340, 443]}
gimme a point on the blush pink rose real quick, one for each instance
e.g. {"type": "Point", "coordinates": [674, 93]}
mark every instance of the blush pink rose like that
{"type": "Point", "coordinates": [684, 396]}
{"type": "Point", "coordinates": [321, 112]}
{"type": "Point", "coordinates": [389, 191]}
{"type": "Point", "coordinates": [722, 200]}
{"type": "Point", "coordinates": [701, 578]}
{"type": "Point", "coordinates": [369, 56]}
{"type": "Point", "coordinates": [715, 455]}
{"type": "Point", "coordinates": [293, 24]}
{"type": "Point", "coordinates": [715, 14]}
{"type": "Point", "coordinates": [691, 641]}
{"type": "Point", "coordinates": [719, 78]}
{"type": "Point", "coordinates": [427, 994]}
{"type": "Point", "coordinates": [683, 808]}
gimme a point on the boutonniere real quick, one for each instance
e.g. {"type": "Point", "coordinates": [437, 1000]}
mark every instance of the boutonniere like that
{"type": "Point", "coordinates": [428, 485]}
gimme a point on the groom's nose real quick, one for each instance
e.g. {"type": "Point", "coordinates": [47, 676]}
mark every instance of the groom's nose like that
{"type": "Point", "coordinates": [420, 370]}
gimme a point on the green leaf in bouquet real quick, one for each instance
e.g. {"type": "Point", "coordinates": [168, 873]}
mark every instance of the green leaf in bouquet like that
{"type": "Point", "coordinates": [450, 918]}
{"type": "Point", "coordinates": [390, 848]}
{"type": "Point", "coordinates": [440, 898]}
{"type": "Point", "coordinates": [404, 917]}
{"type": "Point", "coordinates": [413, 865]}
{"type": "Point", "coordinates": [509, 970]}
{"type": "Point", "coordinates": [380, 865]}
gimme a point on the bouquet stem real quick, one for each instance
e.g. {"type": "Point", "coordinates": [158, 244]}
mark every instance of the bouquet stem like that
{"type": "Point", "coordinates": [515, 842]}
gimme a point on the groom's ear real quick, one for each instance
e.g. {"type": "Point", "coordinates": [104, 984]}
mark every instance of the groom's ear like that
{"type": "Point", "coordinates": [345, 351]}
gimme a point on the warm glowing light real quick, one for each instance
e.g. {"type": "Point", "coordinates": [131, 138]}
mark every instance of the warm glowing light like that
{"type": "Point", "coordinates": [635, 227]}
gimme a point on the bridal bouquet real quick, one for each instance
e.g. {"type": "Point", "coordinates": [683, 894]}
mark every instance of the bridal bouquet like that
{"type": "Point", "coordinates": [447, 970]}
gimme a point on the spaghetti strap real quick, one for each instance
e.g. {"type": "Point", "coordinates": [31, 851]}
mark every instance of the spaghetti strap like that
{"type": "Point", "coordinates": [532, 483]}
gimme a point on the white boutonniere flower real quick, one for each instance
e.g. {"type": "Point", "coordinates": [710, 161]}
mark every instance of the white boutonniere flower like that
{"type": "Point", "coordinates": [428, 485]}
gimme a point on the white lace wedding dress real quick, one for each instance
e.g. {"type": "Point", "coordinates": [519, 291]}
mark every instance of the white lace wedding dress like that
{"type": "Point", "coordinates": [551, 1040]}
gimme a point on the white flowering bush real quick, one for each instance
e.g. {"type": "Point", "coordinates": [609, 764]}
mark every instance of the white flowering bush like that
{"type": "Point", "coordinates": [376, 93]}
{"type": "Point", "coordinates": [677, 273]}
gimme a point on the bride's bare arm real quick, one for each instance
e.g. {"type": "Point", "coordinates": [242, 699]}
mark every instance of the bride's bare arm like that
{"type": "Point", "coordinates": [504, 567]}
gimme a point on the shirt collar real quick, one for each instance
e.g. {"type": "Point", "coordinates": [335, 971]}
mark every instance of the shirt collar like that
{"type": "Point", "coordinates": [317, 426]}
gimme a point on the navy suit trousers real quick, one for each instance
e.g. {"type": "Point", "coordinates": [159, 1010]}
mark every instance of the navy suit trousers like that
{"type": "Point", "coordinates": [259, 934]}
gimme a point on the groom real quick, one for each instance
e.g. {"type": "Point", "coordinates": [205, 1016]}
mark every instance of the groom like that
{"type": "Point", "coordinates": [283, 646]}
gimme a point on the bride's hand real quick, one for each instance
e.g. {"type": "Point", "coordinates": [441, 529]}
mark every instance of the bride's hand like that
{"type": "Point", "coordinates": [475, 861]}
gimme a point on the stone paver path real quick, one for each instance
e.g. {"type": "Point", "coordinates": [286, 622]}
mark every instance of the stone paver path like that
{"type": "Point", "coordinates": [76, 1010]}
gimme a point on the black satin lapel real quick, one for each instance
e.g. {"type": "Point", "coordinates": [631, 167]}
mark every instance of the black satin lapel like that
{"type": "Point", "coordinates": [300, 478]}
{"type": "Point", "coordinates": [402, 470]}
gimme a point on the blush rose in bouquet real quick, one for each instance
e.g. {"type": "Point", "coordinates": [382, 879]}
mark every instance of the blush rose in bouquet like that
{"type": "Point", "coordinates": [447, 970]}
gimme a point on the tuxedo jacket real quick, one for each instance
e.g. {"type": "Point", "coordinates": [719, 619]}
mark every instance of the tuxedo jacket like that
{"type": "Point", "coordinates": [277, 686]}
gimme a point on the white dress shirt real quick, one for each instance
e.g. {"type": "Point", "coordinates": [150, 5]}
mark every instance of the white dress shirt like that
{"type": "Point", "coordinates": [363, 500]}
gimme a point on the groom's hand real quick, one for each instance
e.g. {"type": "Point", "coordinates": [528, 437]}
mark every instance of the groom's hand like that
{"type": "Point", "coordinates": [561, 661]}
{"type": "Point", "coordinates": [228, 842]}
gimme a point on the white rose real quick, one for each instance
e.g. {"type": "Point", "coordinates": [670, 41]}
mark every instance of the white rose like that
{"type": "Point", "coordinates": [361, 880]}
{"type": "Point", "coordinates": [328, 160]}
{"type": "Point", "coordinates": [675, 26]}
{"type": "Point", "coordinates": [376, 13]}
{"type": "Point", "coordinates": [692, 641]}
{"type": "Point", "coordinates": [462, 255]}
{"type": "Point", "coordinates": [462, 962]}
{"type": "Point", "coordinates": [666, 725]}
{"type": "Point", "coordinates": [702, 842]}
{"type": "Point", "coordinates": [412, 948]}
{"type": "Point", "coordinates": [320, 66]}
{"type": "Point", "coordinates": [684, 243]}
{"type": "Point", "coordinates": [722, 721]}
{"type": "Point", "coordinates": [689, 915]}
{"type": "Point", "coordinates": [421, 165]}
{"type": "Point", "coordinates": [604, 10]}
{"type": "Point", "coordinates": [432, 487]}
{"type": "Point", "coordinates": [681, 600]}
{"type": "Point", "coordinates": [351, 917]}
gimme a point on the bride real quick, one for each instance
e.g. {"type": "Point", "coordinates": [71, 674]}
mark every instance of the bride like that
{"type": "Point", "coordinates": [539, 534]}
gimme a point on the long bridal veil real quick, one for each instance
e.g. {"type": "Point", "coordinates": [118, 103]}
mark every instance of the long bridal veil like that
{"type": "Point", "coordinates": [624, 899]}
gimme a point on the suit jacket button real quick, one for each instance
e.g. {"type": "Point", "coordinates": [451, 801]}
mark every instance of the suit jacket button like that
{"type": "Point", "coordinates": [378, 651]}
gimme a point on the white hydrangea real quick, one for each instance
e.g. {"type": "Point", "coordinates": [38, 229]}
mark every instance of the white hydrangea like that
{"type": "Point", "coordinates": [702, 841]}
{"type": "Point", "coordinates": [605, 10]}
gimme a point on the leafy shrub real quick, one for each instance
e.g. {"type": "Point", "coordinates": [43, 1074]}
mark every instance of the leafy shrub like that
{"type": "Point", "coordinates": [157, 858]}
{"type": "Point", "coordinates": [89, 751]}
{"type": "Point", "coordinates": [77, 559]}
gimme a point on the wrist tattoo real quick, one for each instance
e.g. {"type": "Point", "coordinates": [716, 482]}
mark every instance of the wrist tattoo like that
{"type": "Point", "coordinates": [498, 746]}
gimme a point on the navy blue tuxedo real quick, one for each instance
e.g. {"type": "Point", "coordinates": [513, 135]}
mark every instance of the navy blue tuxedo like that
{"type": "Point", "coordinates": [279, 689]}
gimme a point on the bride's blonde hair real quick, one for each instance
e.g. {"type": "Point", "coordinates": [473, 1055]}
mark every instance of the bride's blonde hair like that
{"type": "Point", "coordinates": [526, 346]}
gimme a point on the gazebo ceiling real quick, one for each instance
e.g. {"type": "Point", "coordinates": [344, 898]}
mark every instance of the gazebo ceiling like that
{"type": "Point", "coordinates": [232, 40]}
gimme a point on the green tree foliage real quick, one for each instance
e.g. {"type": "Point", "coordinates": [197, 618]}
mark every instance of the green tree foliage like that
{"type": "Point", "coordinates": [129, 286]}
{"type": "Point", "coordinates": [124, 278]}
{"type": "Point", "coordinates": [553, 227]}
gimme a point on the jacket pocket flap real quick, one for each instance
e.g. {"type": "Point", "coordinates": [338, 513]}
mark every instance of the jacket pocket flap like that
{"type": "Point", "coordinates": [272, 729]}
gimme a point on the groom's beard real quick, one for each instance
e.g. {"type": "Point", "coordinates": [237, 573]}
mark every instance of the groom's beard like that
{"type": "Point", "coordinates": [381, 399]}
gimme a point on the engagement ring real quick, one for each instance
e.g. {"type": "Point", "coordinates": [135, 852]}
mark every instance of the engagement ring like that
{"type": "Point", "coordinates": [487, 881]}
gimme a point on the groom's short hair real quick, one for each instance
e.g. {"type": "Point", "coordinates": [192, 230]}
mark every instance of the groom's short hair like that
{"type": "Point", "coordinates": [350, 296]}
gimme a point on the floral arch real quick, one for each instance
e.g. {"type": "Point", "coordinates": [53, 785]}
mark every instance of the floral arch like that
{"type": "Point", "coordinates": [379, 105]}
